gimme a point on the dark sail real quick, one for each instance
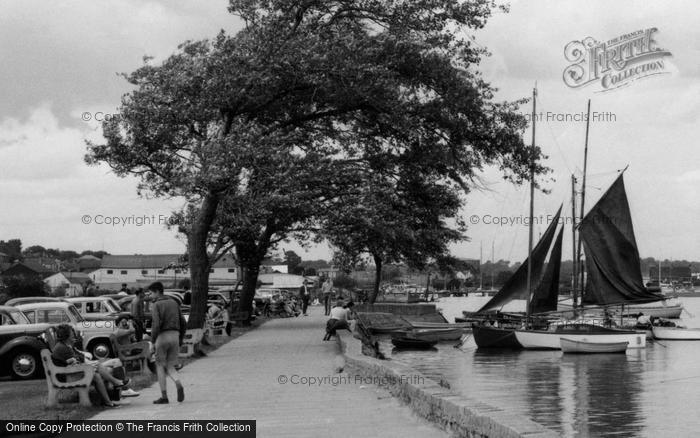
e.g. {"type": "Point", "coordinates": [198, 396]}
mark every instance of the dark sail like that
{"type": "Point", "coordinates": [612, 259]}
{"type": "Point", "coordinates": [546, 295]}
{"type": "Point", "coordinates": [516, 286]}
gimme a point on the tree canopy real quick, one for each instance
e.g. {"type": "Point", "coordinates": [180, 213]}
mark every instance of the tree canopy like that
{"type": "Point", "coordinates": [262, 131]}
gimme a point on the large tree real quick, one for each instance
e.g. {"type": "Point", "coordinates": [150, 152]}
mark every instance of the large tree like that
{"type": "Point", "coordinates": [321, 92]}
{"type": "Point", "coordinates": [402, 220]}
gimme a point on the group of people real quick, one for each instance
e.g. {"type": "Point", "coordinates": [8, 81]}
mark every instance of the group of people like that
{"type": "Point", "coordinates": [167, 333]}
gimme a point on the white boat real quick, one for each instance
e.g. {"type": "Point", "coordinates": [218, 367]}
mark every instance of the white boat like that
{"type": "Point", "coordinates": [676, 333]}
{"type": "Point", "coordinates": [551, 339]}
{"type": "Point", "coordinates": [439, 325]}
{"type": "Point", "coordinates": [571, 346]}
{"type": "Point", "coordinates": [672, 311]}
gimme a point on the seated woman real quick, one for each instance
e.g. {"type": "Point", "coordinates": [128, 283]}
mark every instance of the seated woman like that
{"type": "Point", "coordinates": [65, 355]}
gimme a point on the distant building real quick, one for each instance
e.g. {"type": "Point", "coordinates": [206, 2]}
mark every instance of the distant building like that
{"type": "Point", "coordinates": [141, 270]}
{"type": "Point", "coordinates": [45, 264]}
{"type": "Point", "coordinates": [27, 270]}
{"type": "Point", "coordinates": [4, 258]}
{"type": "Point", "coordinates": [289, 282]}
{"type": "Point", "coordinates": [328, 272]}
{"type": "Point", "coordinates": [88, 263]}
{"type": "Point", "coordinates": [269, 266]}
{"type": "Point", "coordinates": [71, 282]}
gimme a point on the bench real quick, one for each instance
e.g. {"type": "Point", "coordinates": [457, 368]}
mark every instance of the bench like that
{"type": "Point", "coordinates": [71, 376]}
{"type": "Point", "coordinates": [137, 352]}
{"type": "Point", "coordinates": [216, 326]}
{"type": "Point", "coordinates": [191, 341]}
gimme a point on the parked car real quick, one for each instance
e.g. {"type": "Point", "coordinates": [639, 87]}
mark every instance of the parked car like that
{"type": "Point", "coordinates": [219, 299]}
{"type": "Point", "coordinates": [19, 345]}
{"type": "Point", "coordinates": [125, 304]}
{"type": "Point", "coordinates": [29, 300]}
{"type": "Point", "coordinates": [98, 308]}
{"type": "Point", "coordinates": [95, 333]}
{"type": "Point", "coordinates": [265, 294]}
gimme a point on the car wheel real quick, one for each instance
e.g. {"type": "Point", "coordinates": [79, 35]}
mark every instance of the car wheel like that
{"type": "Point", "coordinates": [24, 364]}
{"type": "Point", "coordinates": [101, 349]}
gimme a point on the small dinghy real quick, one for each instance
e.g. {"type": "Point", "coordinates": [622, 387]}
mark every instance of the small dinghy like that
{"type": "Point", "coordinates": [413, 343]}
{"type": "Point", "coordinates": [582, 347]}
{"type": "Point", "coordinates": [675, 333]}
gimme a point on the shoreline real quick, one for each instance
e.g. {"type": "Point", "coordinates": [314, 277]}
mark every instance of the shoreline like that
{"type": "Point", "coordinates": [451, 411]}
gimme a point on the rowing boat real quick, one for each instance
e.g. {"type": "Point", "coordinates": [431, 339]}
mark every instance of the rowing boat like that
{"type": "Point", "coordinates": [572, 346]}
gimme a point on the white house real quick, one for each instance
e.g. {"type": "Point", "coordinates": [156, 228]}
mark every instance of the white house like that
{"type": "Point", "coordinates": [281, 281]}
{"type": "Point", "coordinates": [71, 282]}
{"type": "Point", "coordinates": [142, 269]}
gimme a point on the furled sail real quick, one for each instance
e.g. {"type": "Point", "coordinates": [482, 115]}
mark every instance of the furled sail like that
{"type": "Point", "coordinates": [613, 270]}
{"type": "Point", "coordinates": [516, 286]}
{"type": "Point", "coordinates": [546, 294]}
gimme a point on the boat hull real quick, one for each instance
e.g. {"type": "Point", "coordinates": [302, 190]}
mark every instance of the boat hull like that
{"type": "Point", "coordinates": [494, 337]}
{"type": "Point", "coordinates": [443, 334]}
{"type": "Point", "coordinates": [571, 346]}
{"type": "Point", "coordinates": [671, 312]}
{"type": "Point", "coordinates": [676, 334]}
{"type": "Point", "coordinates": [411, 343]}
{"type": "Point", "coordinates": [551, 340]}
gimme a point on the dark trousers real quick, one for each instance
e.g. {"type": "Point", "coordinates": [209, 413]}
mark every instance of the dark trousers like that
{"type": "Point", "coordinates": [138, 330]}
{"type": "Point", "coordinates": [327, 303]}
{"type": "Point", "coordinates": [304, 303]}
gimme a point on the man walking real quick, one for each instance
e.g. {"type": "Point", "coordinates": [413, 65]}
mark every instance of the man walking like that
{"type": "Point", "coordinates": [304, 295]}
{"type": "Point", "coordinates": [168, 328]}
{"type": "Point", "coordinates": [326, 291]}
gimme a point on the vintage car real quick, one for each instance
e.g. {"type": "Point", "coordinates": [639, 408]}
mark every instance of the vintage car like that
{"type": "Point", "coordinates": [29, 300]}
{"type": "Point", "coordinates": [98, 308]}
{"type": "Point", "coordinates": [19, 345]}
{"type": "Point", "coordinates": [95, 333]}
{"type": "Point", "coordinates": [125, 304]}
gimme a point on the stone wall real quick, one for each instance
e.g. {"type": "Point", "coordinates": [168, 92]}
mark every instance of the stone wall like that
{"type": "Point", "coordinates": [459, 415]}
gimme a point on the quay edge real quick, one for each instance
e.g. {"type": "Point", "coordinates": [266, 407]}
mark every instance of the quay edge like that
{"type": "Point", "coordinates": [458, 415]}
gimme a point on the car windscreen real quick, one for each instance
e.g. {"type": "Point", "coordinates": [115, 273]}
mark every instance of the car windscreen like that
{"type": "Point", "coordinates": [73, 311]}
{"type": "Point", "coordinates": [18, 317]}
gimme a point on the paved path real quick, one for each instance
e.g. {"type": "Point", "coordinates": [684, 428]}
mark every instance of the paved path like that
{"type": "Point", "coordinates": [240, 381]}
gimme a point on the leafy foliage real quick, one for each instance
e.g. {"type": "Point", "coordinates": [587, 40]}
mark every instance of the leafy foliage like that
{"type": "Point", "coordinates": [262, 132]}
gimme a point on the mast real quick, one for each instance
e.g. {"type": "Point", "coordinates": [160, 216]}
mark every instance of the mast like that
{"type": "Point", "coordinates": [532, 207]}
{"type": "Point", "coordinates": [493, 266]}
{"type": "Point", "coordinates": [574, 262]}
{"type": "Point", "coordinates": [481, 272]}
{"type": "Point", "coordinates": [583, 196]}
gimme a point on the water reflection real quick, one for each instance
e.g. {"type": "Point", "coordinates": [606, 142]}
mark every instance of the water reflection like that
{"type": "Point", "coordinates": [605, 394]}
{"type": "Point", "coordinates": [645, 392]}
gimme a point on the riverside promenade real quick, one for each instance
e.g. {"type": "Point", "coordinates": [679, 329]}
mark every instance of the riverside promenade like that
{"type": "Point", "coordinates": [242, 380]}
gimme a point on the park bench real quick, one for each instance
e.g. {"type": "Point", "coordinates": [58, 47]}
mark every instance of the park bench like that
{"type": "Point", "coordinates": [136, 352]}
{"type": "Point", "coordinates": [191, 341]}
{"type": "Point", "coordinates": [216, 326]}
{"type": "Point", "coordinates": [58, 378]}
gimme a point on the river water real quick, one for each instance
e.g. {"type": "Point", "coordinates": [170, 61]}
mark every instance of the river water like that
{"type": "Point", "coordinates": [643, 393]}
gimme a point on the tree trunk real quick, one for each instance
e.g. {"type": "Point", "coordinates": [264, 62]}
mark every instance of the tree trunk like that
{"type": "Point", "coordinates": [250, 282]}
{"type": "Point", "coordinates": [199, 260]}
{"type": "Point", "coordinates": [377, 279]}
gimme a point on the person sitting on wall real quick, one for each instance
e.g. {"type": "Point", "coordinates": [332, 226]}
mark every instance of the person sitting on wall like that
{"type": "Point", "coordinates": [340, 317]}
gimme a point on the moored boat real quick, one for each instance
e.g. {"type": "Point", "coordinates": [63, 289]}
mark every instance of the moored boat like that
{"type": "Point", "coordinates": [439, 325]}
{"type": "Point", "coordinates": [551, 339]}
{"type": "Point", "coordinates": [583, 347]}
{"type": "Point", "coordinates": [494, 337]}
{"type": "Point", "coordinates": [404, 342]}
{"type": "Point", "coordinates": [676, 333]}
{"type": "Point", "coordinates": [435, 334]}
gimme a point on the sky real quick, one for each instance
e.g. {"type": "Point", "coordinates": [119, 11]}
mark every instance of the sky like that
{"type": "Point", "coordinates": [60, 73]}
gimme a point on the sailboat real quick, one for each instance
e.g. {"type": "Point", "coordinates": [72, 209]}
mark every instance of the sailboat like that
{"type": "Point", "coordinates": [613, 275]}
{"type": "Point", "coordinates": [489, 336]}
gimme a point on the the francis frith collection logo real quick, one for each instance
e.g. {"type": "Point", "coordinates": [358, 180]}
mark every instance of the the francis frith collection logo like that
{"type": "Point", "coordinates": [614, 63]}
